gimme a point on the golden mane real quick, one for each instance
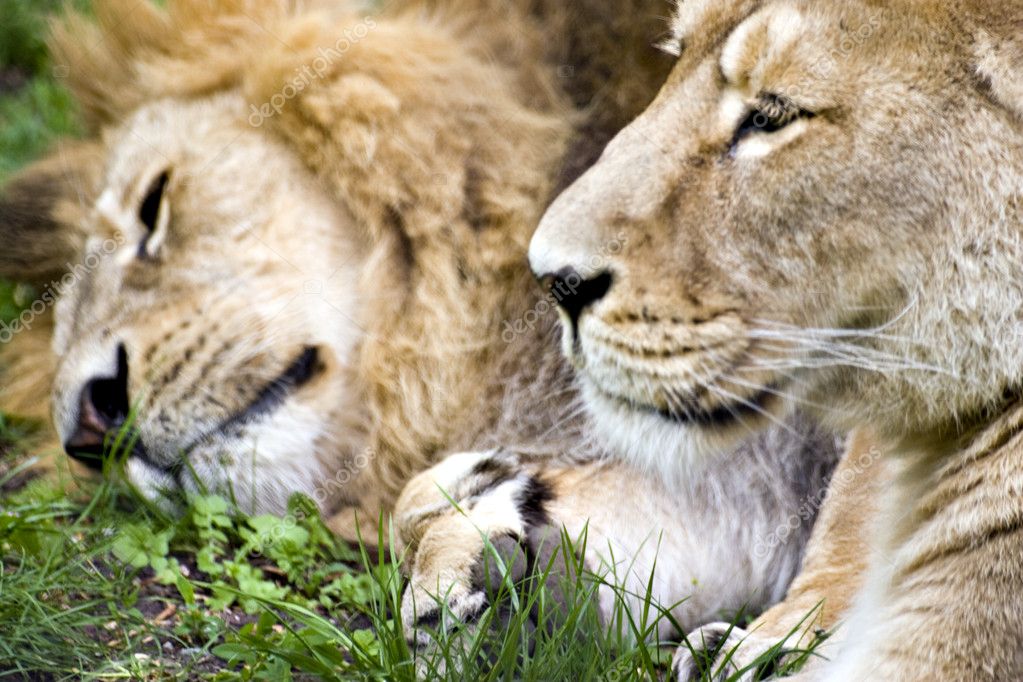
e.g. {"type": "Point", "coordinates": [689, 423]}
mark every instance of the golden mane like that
{"type": "Point", "coordinates": [438, 137]}
{"type": "Point", "coordinates": [131, 53]}
{"type": "Point", "coordinates": [443, 128]}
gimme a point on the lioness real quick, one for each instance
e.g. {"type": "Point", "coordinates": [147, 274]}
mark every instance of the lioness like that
{"type": "Point", "coordinates": [294, 243]}
{"type": "Point", "coordinates": [823, 209]}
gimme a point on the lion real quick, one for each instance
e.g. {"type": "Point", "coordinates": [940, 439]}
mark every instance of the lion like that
{"type": "Point", "coordinates": [290, 255]}
{"type": "Point", "coordinates": [822, 208]}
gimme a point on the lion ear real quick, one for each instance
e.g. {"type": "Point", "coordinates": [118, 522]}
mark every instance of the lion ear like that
{"type": "Point", "coordinates": [998, 60]}
{"type": "Point", "coordinates": [43, 210]}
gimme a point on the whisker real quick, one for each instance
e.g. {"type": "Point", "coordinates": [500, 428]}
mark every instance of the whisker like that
{"type": "Point", "coordinates": [777, 392]}
{"type": "Point", "coordinates": [825, 363]}
{"type": "Point", "coordinates": [852, 355]}
{"type": "Point", "coordinates": [731, 398]}
{"type": "Point", "coordinates": [722, 393]}
{"type": "Point", "coordinates": [870, 331]}
{"type": "Point", "coordinates": [831, 336]}
{"type": "Point", "coordinates": [578, 411]}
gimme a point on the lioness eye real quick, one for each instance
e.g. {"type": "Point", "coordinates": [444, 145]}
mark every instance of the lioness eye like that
{"type": "Point", "coordinates": [149, 212]}
{"type": "Point", "coordinates": [770, 115]}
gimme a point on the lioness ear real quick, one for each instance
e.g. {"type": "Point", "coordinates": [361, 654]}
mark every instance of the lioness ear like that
{"type": "Point", "coordinates": [42, 211]}
{"type": "Point", "coordinates": [998, 55]}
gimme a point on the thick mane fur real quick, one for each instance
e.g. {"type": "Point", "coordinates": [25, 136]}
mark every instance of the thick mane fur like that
{"type": "Point", "coordinates": [442, 127]}
{"type": "Point", "coordinates": [132, 53]}
{"type": "Point", "coordinates": [448, 161]}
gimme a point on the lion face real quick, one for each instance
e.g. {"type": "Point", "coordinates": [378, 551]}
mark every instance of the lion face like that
{"type": "Point", "coordinates": [282, 252]}
{"type": "Point", "coordinates": [198, 312]}
{"type": "Point", "coordinates": [818, 209]}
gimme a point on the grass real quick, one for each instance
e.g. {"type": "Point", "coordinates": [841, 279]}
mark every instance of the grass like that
{"type": "Point", "coordinates": [96, 583]}
{"type": "Point", "coordinates": [103, 585]}
{"type": "Point", "coordinates": [34, 108]}
{"type": "Point", "coordinates": [31, 119]}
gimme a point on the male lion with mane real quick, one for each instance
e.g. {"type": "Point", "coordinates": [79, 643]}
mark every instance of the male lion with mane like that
{"type": "Point", "coordinates": [822, 209]}
{"type": "Point", "coordinates": [298, 235]}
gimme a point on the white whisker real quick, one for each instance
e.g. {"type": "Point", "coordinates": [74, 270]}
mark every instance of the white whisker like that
{"type": "Point", "coordinates": [836, 353]}
{"type": "Point", "coordinates": [776, 392]}
{"type": "Point", "coordinates": [734, 398]}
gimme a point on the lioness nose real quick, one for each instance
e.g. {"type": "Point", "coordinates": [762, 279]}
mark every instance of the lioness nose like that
{"type": "Point", "coordinates": [573, 292]}
{"type": "Point", "coordinates": [102, 409]}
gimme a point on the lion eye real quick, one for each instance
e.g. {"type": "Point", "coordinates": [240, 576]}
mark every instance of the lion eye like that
{"type": "Point", "coordinates": [771, 114]}
{"type": "Point", "coordinates": [150, 214]}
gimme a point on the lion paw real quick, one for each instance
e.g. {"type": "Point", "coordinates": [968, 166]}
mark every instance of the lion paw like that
{"type": "Point", "coordinates": [721, 652]}
{"type": "Point", "coordinates": [471, 525]}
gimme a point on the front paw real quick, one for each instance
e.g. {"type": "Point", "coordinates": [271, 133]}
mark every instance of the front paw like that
{"type": "Point", "coordinates": [473, 527]}
{"type": "Point", "coordinates": [721, 652]}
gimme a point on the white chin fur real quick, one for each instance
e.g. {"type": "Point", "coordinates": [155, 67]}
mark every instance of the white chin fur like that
{"type": "Point", "coordinates": [274, 459]}
{"type": "Point", "coordinates": [671, 451]}
{"type": "Point", "coordinates": [152, 483]}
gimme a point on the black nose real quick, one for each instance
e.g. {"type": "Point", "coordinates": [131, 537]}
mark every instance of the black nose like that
{"type": "Point", "coordinates": [102, 410]}
{"type": "Point", "coordinates": [573, 292]}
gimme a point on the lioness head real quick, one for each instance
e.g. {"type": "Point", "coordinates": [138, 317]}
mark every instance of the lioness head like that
{"type": "Point", "coordinates": [820, 208]}
{"type": "Point", "coordinates": [282, 226]}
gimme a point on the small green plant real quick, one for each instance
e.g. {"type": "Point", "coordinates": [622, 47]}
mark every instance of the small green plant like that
{"type": "Point", "coordinates": [138, 546]}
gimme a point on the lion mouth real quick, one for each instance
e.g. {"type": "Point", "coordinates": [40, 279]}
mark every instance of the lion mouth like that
{"type": "Point", "coordinates": [303, 369]}
{"type": "Point", "coordinates": [299, 373]}
{"type": "Point", "coordinates": [690, 413]}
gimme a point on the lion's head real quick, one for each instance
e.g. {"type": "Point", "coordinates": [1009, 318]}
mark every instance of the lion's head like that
{"type": "Point", "coordinates": [282, 246]}
{"type": "Point", "coordinates": [822, 207]}
{"type": "Point", "coordinates": [227, 322]}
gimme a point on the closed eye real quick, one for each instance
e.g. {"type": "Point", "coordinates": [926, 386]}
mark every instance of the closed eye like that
{"type": "Point", "coordinates": [771, 114]}
{"type": "Point", "coordinates": [150, 214]}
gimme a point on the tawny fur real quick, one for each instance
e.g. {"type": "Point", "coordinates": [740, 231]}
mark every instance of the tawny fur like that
{"type": "Point", "coordinates": [861, 256]}
{"type": "Point", "coordinates": [403, 182]}
{"type": "Point", "coordinates": [443, 132]}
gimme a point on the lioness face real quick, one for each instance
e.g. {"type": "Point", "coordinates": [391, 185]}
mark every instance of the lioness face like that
{"type": "Point", "coordinates": [221, 319]}
{"type": "Point", "coordinates": [819, 208]}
